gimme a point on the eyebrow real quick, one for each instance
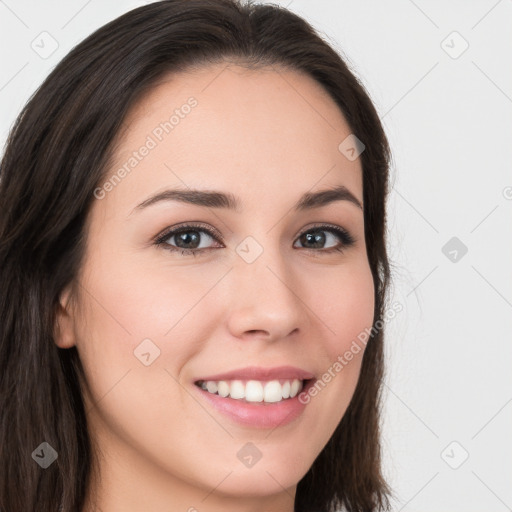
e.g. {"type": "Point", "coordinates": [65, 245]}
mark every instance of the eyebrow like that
{"type": "Point", "coordinates": [217, 199]}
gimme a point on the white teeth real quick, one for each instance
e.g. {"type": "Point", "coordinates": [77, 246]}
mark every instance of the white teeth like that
{"type": "Point", "coordinates": [272, 392]}
{"type": "Point", "coordinates": [254, 390]}
{"type": "Point", "coordinates": [294, 388]}
{"type": "Point", "coordinates": [237, 389]}
{"type": "Point", "coordinates": [286, 389]}
{"type": "Point", "coordinates": [211, 386]}
{"type": "Point", "coordinates": [223, 388]}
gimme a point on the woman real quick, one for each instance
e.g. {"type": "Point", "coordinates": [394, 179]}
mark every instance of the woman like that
{"type": "Point", "coordinates": [194, 272]}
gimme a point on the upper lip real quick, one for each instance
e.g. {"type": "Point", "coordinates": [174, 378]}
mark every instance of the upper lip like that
{"type": "Point", "coordinates": [260, 373]}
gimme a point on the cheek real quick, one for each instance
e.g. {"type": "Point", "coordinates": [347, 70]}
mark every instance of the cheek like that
{"type": "Point", "coordinates": [346, 308]}
{"type": "Point", "coordinates": [129, 313]}
{"type": "Point", "coordinates": [132, 317]}
{"type": "Point", "coordinates": [129, 302]}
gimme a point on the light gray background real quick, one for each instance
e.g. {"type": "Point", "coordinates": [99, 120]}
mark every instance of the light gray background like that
{"type": "Point", "coordinates": [449, 121]}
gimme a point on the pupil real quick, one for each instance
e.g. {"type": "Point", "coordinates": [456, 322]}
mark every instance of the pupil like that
{"type": "Point", "coordinates": [187, 239]}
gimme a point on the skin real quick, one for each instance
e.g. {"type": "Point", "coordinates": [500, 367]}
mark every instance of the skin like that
{"type": "Point", "coordinates": [266, 136]}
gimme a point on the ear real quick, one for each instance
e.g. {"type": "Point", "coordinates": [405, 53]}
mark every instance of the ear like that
{"type": "Point", "coordinates": [64, 333]}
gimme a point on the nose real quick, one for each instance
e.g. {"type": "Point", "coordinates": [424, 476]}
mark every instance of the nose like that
{"type": "Point", "coordinates": [265, 299]}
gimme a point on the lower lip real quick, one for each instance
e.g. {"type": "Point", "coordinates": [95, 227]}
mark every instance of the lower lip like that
{"type": "Point", "coordinates": [258, 414]}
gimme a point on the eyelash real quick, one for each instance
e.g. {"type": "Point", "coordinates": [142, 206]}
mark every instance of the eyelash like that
{"type": "Point", "coordinates": [347, 240]}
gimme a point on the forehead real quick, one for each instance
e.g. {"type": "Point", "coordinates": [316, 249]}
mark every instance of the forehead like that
{"type": "Point", "coordinates": [263, 134]}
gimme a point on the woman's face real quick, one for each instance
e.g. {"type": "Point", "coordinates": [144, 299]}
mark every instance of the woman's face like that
{"type": "Point", "coordinates": [262, 285]}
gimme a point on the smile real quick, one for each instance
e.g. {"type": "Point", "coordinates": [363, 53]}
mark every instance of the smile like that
{"type": "Point", "coordinates": [251, 409]}
{"type": "Point", "coordinates": [254, 390]}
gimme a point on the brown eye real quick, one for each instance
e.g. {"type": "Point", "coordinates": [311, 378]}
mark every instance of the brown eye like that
{"type": "Point", "coordinates": [188, 239]}
{"type": "Point", "coordinates": [328, 238]}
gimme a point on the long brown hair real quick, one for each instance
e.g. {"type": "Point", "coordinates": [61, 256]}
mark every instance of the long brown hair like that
{"type": "Point", "coordinates": [57, 153]}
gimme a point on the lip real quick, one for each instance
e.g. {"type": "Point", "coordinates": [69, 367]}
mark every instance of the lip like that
{"type": "Point", "coordinates": [261, 374]}
{"type": "Point", "coordinates": [261, 415]}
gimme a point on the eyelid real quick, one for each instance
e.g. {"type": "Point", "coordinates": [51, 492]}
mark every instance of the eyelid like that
{"type": "Point", "coordinates": [326, 226]}
{"type": "Point", "coordinates": [188, 226]}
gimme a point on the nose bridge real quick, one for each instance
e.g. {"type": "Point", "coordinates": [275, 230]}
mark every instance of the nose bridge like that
{"type": "Point", "coordinates": [264, 295]}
